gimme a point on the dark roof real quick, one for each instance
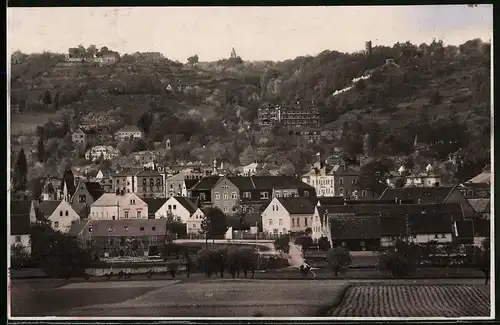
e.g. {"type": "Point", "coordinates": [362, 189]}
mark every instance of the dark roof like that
{"type": "Point", "coordinates": [69, 179]}
{"type": "Point", "coordinates": [387, 202]}
{"type": "Point", "coordinates": [268, 182]}
{"type": "Point", "coordinates": [49, 188]}
{"type": "Point", "coordinates": [47, 207]}
{"type": "Point", "coordinates": [190, 183]}
{"type": "Point", "coordinates": [19, 225]}
{"type": "Point", "coordinates": [392, 226]}
{"type": "Point", "coordinates": [297, 205]}
{"type": "Point", "coordinates": [355, 228]}
{"type": "Point", "coordinates": [20, 207]}
{"type": "Point", "coordinates": [430, 224]}
{"type": "Point", "coordinates": [424, 194]}
{"type": "Point", "coordinates": [84, 212]}
{"type": "Point", "coordinates": [403, 209]}
{"type": "Point", "coordinates": [333, 200]}
{"type": "Point", "coordinates": [465, 229]}
{"type": "Point", "coordinates": [187, 203]}
{"type": "Point", "coordinates": [154, 204]}
{"type": "Point", "coordinates": [129, 227]}
{"type": "Point", "coordinates": [95, 189]}
{"type": "Point", "coordinates": [77, 228]}
{"type": "Point", "coordinates": [481, 228]}
{"type": "Point", "coordinates": [206, 183]}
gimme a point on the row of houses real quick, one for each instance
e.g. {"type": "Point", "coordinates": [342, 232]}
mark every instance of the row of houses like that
{"type": "Point", "coordinates": [84, 136]}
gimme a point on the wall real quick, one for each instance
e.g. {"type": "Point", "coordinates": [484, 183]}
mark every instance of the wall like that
{"type": "Point", "coordinates": [108, 212]}
{"type": "Point", "coordinates": [324, 185]}
{"type": "Point", "coordinates": [64, 220]}
{"type": "Point", "coordinates": [299, 222]}
{"type": "Point", "coordinates": [24, 241]}
{"type": "Point", "coordinates": [81, 190]}
{"type": "Point", "coordinates": [225, 195]}
{"type": "Point", "coordinates": [177, 210]}
{"type": "Point", "coordinates": [193, 225]}
{"type": "Point", "coordinates": [271, 213]}
{"type": "Point", "coordinates": [317, 230]}
{"type": "Point", "coordinates": [425, 238]}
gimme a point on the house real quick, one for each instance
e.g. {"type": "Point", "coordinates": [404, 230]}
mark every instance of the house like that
{"type": "Point", "coordinates": [59, 214]}
{"type": "Point", "coordinates": [104, 178]}
{"type": "Point", "coordinates": [482, 207]}
{"type": "Point", "coordinates": [392, 228]}
{"type": "Point", "coordinates": [483, 178]}
{"type": "Point", "coordinates": [355, 233]}
{"type": "Point", "coordinates": [85, 195]}
{"type": "Point", "coordinates": [481, 231]}
{"type": "Point", "coordinates": [258, 167]}
{"type": "Point", "coordinates": [150, 184]}
{"type": "Point", "coordinates": [129, 132]}
{"type": "Point", "coordinates": [431, 228]}
{"type": "Point", "coordinates": [287, 215]}
{"type": "Point", "coordinates": [202, 190]}
{"type": "Point", "coordinates": [106, 152]}
{"type": "Point", "coordinates": [154, 205]}
{"type": "Point", "coordinates": [112, 206]}
{"type": "Point", "coordinates": [132, 237]}
{"type": "Point", "coordinates": [426, 179]}
{"type": "Point", "coordinates": [179, 183]}
{"type": "Point", "coordinates": [179, 207]}
{"type": "Point", "coordinates": [83, 136]}
{"type": "Point", "coordinates": [193, 224]}
{"type": "Point", "coordinates": [125, 180]}
{"type": "Point", "coordinates": [431, 195]}
{"type": "Point", "coordinates": [21, 220]}
{"type": "Point", "coordinates": [110, 58]}
{"type": "Point", "coordinates": [319, 228]}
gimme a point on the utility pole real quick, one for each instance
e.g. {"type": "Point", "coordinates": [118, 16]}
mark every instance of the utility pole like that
{"type": "Point", "coordinates": [256, 244]}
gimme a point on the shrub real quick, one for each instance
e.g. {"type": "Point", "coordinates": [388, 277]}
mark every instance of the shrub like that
{"type": "Point", "coordinates": [403, 259]}
{"type": "Point", "coordinates": [339, 259]}
{"type": "Point", "coordinates": [324, 244]}
{"type": "Point", "coordinates": [282, 244]}
{"type": "Point", "coordinates": [304, 242]}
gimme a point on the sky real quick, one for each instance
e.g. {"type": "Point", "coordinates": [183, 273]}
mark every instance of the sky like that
{"type": "Point", "coordinates": [256, 33]}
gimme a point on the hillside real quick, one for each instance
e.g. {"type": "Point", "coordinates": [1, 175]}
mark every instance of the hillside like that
{"type": "Point", "coordinates": [439, 94]}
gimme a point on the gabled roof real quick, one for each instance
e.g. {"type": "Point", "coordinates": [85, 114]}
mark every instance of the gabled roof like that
{"type": "Point", "coordinates": [482, 228]}
{"type": "Point", "coordinates": [154, 204]}
{"type": "Point", "coordinates": [129, 128]}
{"type": "Point", "coordinates": [424, 194]}
{"type": "Point", "coordinates": [129, 227]}
{"type": "Point", "coordinates": [190, 183]}
{"type": "Point", "coordinates": [22, 207]}
{"type": "Point", "coordinates": [355, 228]}
{"type": "Point", "coordinates": [297, 205]}
{"type": "Point", "coordinates": [465, 229]}
{"type": "Point", "coordinates": [127, 172]}
{"type": "Point", "coordinates": [111, 199]}
{"type": "Point", "coordinates": [268, 182]}
{"type": "Point", "coordinates": [430, 224]}
{"type": "Point", "coordinates": [186, 203]}
{"type": "Point", "coordinates": [95, 189]}
{"type": "Point", "coordinates": [77, 228]}
{"type": "Point", "coordinates": [19, 225]}
{"type": "Point", "coordinates": [480, 205]}
{"type": "Point", "coordinates": [333, 200]}
{"type": "Point", "coordinates": [206, 183]}
{"type": "Point", "coordinates": [484, 177]}
{"type": "Point", "coordinates": [406, 209]}
{"type": "Point", "coordinates": [48, 207]}
{"type": "Point", "coordinates": [148, 173]}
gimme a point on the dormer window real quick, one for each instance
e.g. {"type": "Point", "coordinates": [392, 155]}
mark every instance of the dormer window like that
{"type": "Point", "coordinates": [110, 229]}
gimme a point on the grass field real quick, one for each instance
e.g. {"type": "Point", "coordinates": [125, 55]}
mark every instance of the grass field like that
{"type": "Point", "coordinates": [27, 123]}
{"type": "Point", "coordinates": [413, 301]}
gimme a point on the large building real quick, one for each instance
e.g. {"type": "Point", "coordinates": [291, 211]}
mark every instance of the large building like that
{"type": "Point", "coordinates": [289, 115]}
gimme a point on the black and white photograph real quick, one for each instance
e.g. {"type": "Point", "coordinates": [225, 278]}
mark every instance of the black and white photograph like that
{"type": "Point", "coordinates": [239, 162]}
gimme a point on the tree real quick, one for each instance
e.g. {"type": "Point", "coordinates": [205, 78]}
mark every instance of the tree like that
{"type": "Point", "coordinates": [374, 174]}
{"type": "Point", "coordinates": [402, 259]}
{"type": "Point", "coordinates": [287, 169]}
{"type": "Point", "coordinates": [103, 50]}
{"type": "Point", "coordinates": [47, 98]}
{"type": "Point", "coordinates": [483, 259]}
{"type": "Point", "coordinates": [145, 122]}
{"type": "Point", "coordinates": [20, 178]}
{"type": "Point", "coordinates": [193, 59]}
{"type": "Point", "coordinates": [248, 156]}
{"type": "Point", "coordinates": [282, 244]}
{"type": "Point", "coordinates": [324, 244]}
{"type": "Point", "coordinates": [339, 259]}
{"type": "Point", "coordinates": [41, 150]}
{"type": "Point", "coordinates": [92, 51]}
{"type": "Point", "coordinates": [214, 224]}
{"type": "Point", "coordinates": [81, 51]}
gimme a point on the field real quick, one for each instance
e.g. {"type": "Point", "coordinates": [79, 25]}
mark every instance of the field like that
{"type": "Point", "coordinates": [27, 123]}
{"type": "Point", "coordinates": [413, 301]}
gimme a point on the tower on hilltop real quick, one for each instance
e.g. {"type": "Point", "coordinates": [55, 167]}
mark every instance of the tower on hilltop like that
{"type": "Point", "coordinates": [233, 54]}
{"type": "Point", "coordinates": [368, 48]}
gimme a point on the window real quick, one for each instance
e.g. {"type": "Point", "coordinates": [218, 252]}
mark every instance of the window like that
{"type": "Point", "coordinates": [305, 221]}
{"type": "Point", "coordinates": [247, 195]}
{"type": "Point", "coordinates": [153, 228]}
{"type": "Point", "coordinates": [82, 198]}
{"type": "Point", "coordinates": [226, 209]}
{"type": "Point", "coordinates": [66, 213]}
{"type": "Point", "coordinates": [110, 229]}
{"type": "Point", "coordinates": [217, 196]}
{"type": "Point", "coordinates": [132, 201]}
{"type": "Point", "coordinates": [233, 195]}
{"type": "Point", "coordinates": [139, 213]}
{"type": "Point", "coordinates": [270, 222]}
{"type": "Point", "coordinates": [194, 225]}
{"type": "Point", "coordinates": [363, 193]}
{"type": "Point", "coordinates": [264, 195]}
{"type": "Point", "coordinates": [280, 222]}
{"type": "Point", "coordinates": [202, 197]}
{"type": "Point", "coordinates": [126, 214]}
{"type": "Point", "coordinates": [60, 213]}
{"type": "Point", "coordinates": [170, 207]}
{"type": "Point", "coordinates": [274, 208]}
{"type": "Point", "coordinates": [141, 228]}
{"type": "Point", "coordinates": [226, 196]}
{"type": "Point", "coordinates": [175, 206]}
{"type": "Point", "coordinates": [277, 207]}
{"type": "Point", "coordinates": [18, 239]}
{"type": "Point", "coordinates": [436, 236]}
{"type": "Point", "coordinates": [110, 241]}
{"type": "Point", "coordinates": [306, 193]}
{"type": "Point", "coordinates": [56, 224]}
{"type": "Point", "coordinates": [341, 190]}
{"type": "Point", "coordinates": [277, 194]}
{"type": "Point", "coordinates": [285, 194]}
{"type": "Point", "coordinates": [298, 222]}
{"type": "Point", "coordinates": [125, 228]}
{"type": "Point", "coordinates": [341, 181]}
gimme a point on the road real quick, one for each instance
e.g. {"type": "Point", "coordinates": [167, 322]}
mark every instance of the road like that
{"type": "Point", "coordinates": [194, 298]}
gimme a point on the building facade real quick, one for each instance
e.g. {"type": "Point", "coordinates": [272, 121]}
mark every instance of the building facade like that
{"type": "Point", "coordinates": [150, 184]}
{"type": "Point", "coordinates": [112, 206]}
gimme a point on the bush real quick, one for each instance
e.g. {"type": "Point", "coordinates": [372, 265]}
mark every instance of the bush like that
{"type": "Point", "coordinates": [324, 244]}
{"type": "Point", "coordinates": [339, 260]}
{"type": "Point", "coordinates": [403, 259]}
{"type": "Point", "coordinates": [304, 242]}
{"type": "Point", "coordinates": [282, 244]}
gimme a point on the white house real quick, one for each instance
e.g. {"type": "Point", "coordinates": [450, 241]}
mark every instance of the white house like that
{"type": "Point", "coordinates": [111, 206]}
{"type": "Point", "coordinates": [286, 215]}
{"type": "Point", "coordinates": [319, 228]}
{"type": "Point", "coordinates": [179, 207]}
{"type": "Point", "coordinates": [193, 225]}
{"type": "Point", "coordinates": [129, 131]}
{"type": "Point", "coordinates": [107, 152]}
{"type": "Point", "coordinates": [60, 214]}
{"type": "Point", "coordinates": [22, 217]}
